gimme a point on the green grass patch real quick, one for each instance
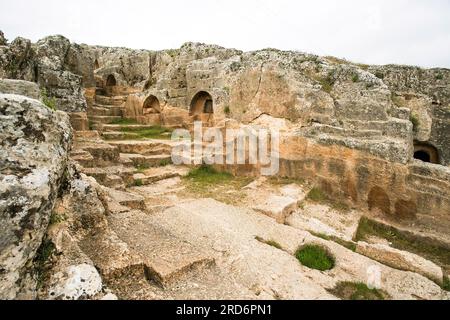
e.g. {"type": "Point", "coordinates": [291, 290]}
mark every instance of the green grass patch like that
{"type": "Point", "coordinates": [155, 132]}
{"type": "Point", "coordinates": [357, 291]}
{"type": "Point", "coordinates": [271, 243]}
{"type": "Point", "coordinates": [316, 195]}
{"type": "Point", "coordinates": [355, 78]}
{"type": "Point", "coordinates": [405, 241]}
{"type": "Point", "coordinates": [315, 257]}
{"type": "Point", "coordinates": [138, 183]}
{"type": "Point", "coordinates": [208, 175]}
{"type": "Point", "coordinates": [124, 122]}
{"type": "Point", "coordinates": [207, 182]}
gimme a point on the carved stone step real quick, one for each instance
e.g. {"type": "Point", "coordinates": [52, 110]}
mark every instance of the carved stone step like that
{"type": "Point", "coordinates": [147, 161]}
{"type": "Point", "coordinates": [166, 257]}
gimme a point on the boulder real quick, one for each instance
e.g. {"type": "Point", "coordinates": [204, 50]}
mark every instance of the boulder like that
{"type": "Point", "coordinates": [277, 207]}
{"type": "Point", "coordinates": [401, 260]}
{"type": "Point", "coordinates": [34, 152]}
{"type": "Point", "coordinates": [23, 88]}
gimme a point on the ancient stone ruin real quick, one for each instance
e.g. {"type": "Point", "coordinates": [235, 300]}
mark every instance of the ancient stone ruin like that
{"type": "Point", "coordinates": [92, 207]}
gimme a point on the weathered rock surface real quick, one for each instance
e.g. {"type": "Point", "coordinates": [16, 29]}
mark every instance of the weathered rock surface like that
{"type": "Point", "coordinates": [34, 152]}
{"type": "Point", "coordinates": [20, 87]}
{"type": "Point", "coordinates": [401, 260]}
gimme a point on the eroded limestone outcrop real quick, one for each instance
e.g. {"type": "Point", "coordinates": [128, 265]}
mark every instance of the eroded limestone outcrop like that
{"type": "Point", "coordinates": [35, 143]}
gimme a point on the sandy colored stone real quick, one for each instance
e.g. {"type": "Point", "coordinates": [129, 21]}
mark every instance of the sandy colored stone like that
{"type": "Point", "coordinates": [401, 260]}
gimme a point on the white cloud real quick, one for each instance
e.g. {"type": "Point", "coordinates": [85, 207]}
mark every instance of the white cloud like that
{"type": "Point", "coordinates": [413, 32]}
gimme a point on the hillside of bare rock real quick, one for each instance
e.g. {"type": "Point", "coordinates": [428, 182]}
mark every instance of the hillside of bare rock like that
{"type": "Point", "coordinates": [93, 207]}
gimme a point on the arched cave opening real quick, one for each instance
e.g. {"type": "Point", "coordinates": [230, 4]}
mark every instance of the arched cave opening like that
{"type": "Point", "coordinates": [111, 81]}
{"type": "Point", "coordinates": [151, 105]}
{"type": "Point", "coordinates": [202, 103]}
{"type": "Point", "coordinates": [426, 153]}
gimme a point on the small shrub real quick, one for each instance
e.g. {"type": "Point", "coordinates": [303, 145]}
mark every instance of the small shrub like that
{"type": "Point", "coordinates": [227, 110]}
{"type": "Point", "coordinates": [439, 76]}
{"type": "Point", "coordinates": [327, 84]}
{"type": "Point", "coordinates": [57, 218]}
{"type": "Point", "coordinates": [47, 101]}
{"type": "Point", "coordinates": [355, 78]}
{"type": "Point", "coordinates": [315, 257]}
{"type": "Point", "coordinates": [357, 291]}
{"type": "Point", "coordinates": [138, 183]}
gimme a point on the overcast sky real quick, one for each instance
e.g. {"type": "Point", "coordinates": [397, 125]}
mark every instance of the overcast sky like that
{"type": "Point", "coordinates": [415, 32]}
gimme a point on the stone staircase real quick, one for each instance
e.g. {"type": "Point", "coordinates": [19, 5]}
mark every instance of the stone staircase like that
{"type": "Point", "coordinates": [133, 246]}
{"type": "Point", "coordinates": [105, 109]}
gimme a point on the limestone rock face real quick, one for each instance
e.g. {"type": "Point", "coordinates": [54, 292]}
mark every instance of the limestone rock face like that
{"type": "Point", "coordinates": [53, 75]}
{"type": "Point", "coordinates": [20, 87]}
{"type": "Point", "coordinates": [35, 143]}
{"type": "Point", "coordinates": [59, 67]}
{"type": "Point", "coordinates": [401, 260]}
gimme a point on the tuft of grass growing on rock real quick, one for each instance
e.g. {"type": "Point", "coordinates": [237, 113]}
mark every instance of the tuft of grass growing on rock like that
{"type": "Point", "coordinates": [347, 244]}
{"type": "Point", "coordinates": [357, 291]}
{"type": "Point", "coordinates": [355, 78]}
{"type": "Point", "coordinates": [138, 183]}
{"type": "Point", "coordinates": [415, 121]}
{"type": "Point", "coordinates": [327, 84]}
{"type": "Point", "coordinates": [315, 257]}
{"type": "Point", "coordinates": [271, 243]}
{"type": "Point", "coordinates": [49, 102]}
{"type": "Point", "coordinates": [42, 261]}
{"type": "Point", "coordinates": [56, 218]}
{"type": "Point", "coordinates": [227, 110]}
